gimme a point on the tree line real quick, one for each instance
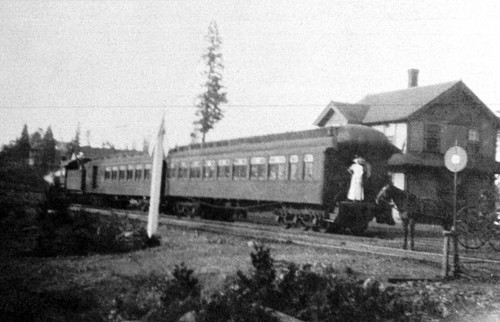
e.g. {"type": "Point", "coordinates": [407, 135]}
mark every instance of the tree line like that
{"type": "Point", "coordinates": [38, 149]}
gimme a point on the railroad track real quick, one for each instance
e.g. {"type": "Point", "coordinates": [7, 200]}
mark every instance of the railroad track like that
{"type": "Point", "coordinates": [344, 243]}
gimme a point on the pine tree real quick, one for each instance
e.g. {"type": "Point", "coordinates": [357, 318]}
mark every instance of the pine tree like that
{"type": "Point", "coordinates": [208, 103]}
{"type": "Point", "coordinates": [48, 150]}
{"type": "Point", "coordinates": [23, 145]}
{"type": "Point", "coordinates": [75, 142]}
{"type": "Point", "coordinates": [36, 141]}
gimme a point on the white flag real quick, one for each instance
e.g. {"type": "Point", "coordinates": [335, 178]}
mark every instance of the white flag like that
{"type": "Point", "coordinates": [156, 176]}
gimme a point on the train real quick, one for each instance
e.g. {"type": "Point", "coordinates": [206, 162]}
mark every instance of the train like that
{"type": "Point", "coordinates": [301, 178]}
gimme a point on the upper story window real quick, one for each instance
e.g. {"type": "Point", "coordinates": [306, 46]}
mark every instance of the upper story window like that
{"type": "Point", "coordinates": [258, 168]}
{"type": "Point", "coordinates": [240, 169]}
{"type": "Point", "coordinates": [209, 169]}
{"type": "Point", "coordinates": [308, 167]}
{"type": "Point", "coordinates": [293, 168]}
{"type": "Point", "coordinates": [432, 137]}
{"type": "Point", "coordinates": [224, 168]}
{"type": "Point", "coordinates": [277, 169]}
{"type": "Point", "coordinates": [473, 141]}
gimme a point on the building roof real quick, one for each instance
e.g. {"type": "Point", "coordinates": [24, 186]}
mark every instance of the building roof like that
{"type": "Point", "coordinates": [351, 113]}
{"type": "Point", "coordinates": [397, 105]}
{"type": "Point", "coordinates": [394, 105]}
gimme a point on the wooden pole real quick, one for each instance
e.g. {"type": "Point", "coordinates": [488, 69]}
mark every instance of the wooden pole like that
{"type": "Point", "coordinates": [445, 271]}
{"type": "Point", "coordinates": [456, 265]}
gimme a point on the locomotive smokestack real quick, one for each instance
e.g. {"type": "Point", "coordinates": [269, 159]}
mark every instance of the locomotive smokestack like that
{"type": "Point", "coordinates": [412, 78]}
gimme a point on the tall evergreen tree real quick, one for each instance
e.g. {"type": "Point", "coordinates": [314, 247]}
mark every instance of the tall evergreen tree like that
{"type": "Point", "coordinates": [208, 103]}
{"type": "Point", "coordinates": [48, 150]}
{"type": "Point", "coordinates": [23, 145]}
{"type": "Point", "coordinates": [36, 141]}
{"type": "Point", "coordinates": [75, 142]}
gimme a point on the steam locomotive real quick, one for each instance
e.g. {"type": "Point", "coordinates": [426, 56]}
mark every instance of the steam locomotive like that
{"type": "Point", "coordinates": [301, 177]}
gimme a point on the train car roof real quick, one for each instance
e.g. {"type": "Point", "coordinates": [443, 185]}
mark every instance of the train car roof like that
{"type": "Point", "coordinates": [343, 134]}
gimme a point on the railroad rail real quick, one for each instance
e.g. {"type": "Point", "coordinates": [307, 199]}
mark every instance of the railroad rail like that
{"type": "Point", "coordinates": [344, 243]}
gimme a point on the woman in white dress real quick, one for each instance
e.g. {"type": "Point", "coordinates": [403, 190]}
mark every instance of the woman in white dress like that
{"type": "Point", "coordinates": [356, 188]}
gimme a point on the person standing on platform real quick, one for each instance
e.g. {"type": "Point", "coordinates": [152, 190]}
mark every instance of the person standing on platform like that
{"type": "Point", "coordinates": [356, 192]}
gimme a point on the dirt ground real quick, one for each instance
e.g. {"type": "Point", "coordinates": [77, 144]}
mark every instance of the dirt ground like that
{"type": "Point", "coordinates": [214, 258]}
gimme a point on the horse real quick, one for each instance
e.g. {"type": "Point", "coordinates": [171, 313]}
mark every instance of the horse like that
{"type": "Point", "coordinates": [410, 208]}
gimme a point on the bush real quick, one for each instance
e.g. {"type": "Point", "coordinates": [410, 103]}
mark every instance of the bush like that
{"type": "Point", "coordinates": [84, 233]}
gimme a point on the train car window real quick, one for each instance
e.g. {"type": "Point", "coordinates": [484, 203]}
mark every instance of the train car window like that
{"type": "Point", "coordinates": [209, 169]}
{"type": "Point", "coordinates": [147, 172]}
{"type": "Point", "coordinates": [224, 168]}
{"type": "Point", "coordinates": [195, 170]}
{"type": "Point", "coordinates": [308, 167]}
{"type": "Point", "coordinates": [107, 173]}
{"type": "Point", "coordinates": [130, 172]}
{"type": "Point", "coordinates": [183, 170]}
{"type": "Point", "coordinates": [122, 172]}
{"type": "Point", "coordinates": [240, 169]}
{"type": "Point", "coordinates": [171, 170]}
{"type": "Point", "coordinates": [277, 168]}
{"type": "Point", "coordinates": [258, 168]}
{"type": "Point", "coordinates": [114, 173]}
{"type": "Point", "coordinates": [293, 168]}
{"type": "Point", "coordinates": [138, 172]}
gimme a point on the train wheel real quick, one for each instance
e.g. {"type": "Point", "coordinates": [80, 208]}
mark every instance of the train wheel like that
{"type": "Point", "coordinates": [470, 228]}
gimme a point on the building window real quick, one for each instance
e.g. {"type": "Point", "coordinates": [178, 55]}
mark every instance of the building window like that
{"type": "Point", "coordinates": [138, 172]}
{"type": "Point", "coordinates": [258, 168]}
{"type": "Point", "coordinates": [209, 169]}
{"type": "Point", "coordinates": [183, 170]}
{"type": "Point", "coordinates": [240, 169]}
{"type": "Point", "coordinates": [195, 170]}
{"type": "Point", "coordinates": [147, 172]}
{"type": "Point", "coordinates": [293, 168]}
{"type": "Point", "coordinates": [432, 137]}
{"type": "Point", "coordinates": [130, 172]}
{"type": "Point", "coordinates": [308, 167]}
{"type": "Point", "coordinates": [473, 142]}
{"type": "Point", "coordinates": [224, 168]}
{"type": "Point", "coordinates": [107, 173]}
{"type": "Point", "coordinates": [277, 169]}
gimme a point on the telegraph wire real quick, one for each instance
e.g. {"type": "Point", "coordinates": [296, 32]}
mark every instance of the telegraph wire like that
{"type": "Point", "coordinates": [69, 107]}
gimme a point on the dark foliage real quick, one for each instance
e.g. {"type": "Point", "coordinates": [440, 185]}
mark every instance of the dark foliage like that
{"type": "Point", "coordinates": [20, 301]}
{"type": "Point", "coordinates": [84, 233]}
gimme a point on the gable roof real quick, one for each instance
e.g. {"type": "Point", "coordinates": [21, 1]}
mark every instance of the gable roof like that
{"type": "Point", "coordinates": [353, 113]}
{"type": "Point", "coordinates": [397, 105]}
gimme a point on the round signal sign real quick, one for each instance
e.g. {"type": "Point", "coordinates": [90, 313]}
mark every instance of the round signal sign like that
{"type": "Point", "coordinates": [455, 159]}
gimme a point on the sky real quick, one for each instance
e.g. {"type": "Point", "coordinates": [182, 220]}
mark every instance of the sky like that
{"type": "Point", "coordinates": [117, 67]}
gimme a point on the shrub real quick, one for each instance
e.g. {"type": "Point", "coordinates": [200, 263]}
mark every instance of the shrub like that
{"type": "Point", "coordinates": [84, 233]}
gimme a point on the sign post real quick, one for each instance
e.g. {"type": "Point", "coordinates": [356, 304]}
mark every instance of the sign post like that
{"type": "Point", "coordinates": [455, 159]}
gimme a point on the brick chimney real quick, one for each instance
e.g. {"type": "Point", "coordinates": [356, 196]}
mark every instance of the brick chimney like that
{"type": "Point", "coordinates": [412, 78]}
